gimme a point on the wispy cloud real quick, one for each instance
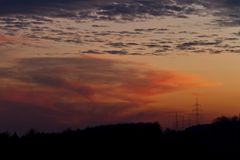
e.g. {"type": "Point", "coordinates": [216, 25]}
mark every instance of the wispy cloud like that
{"type": "Point", "coordinates": [84, 91]}
{"type": "Point", "coordinates": [8, 39]}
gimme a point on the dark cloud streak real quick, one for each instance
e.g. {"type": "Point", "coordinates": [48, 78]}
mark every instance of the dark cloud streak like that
{"type": "Point", "coordinates": [127, 9]}
{"type": "Point", "coordinates": [108, 8]}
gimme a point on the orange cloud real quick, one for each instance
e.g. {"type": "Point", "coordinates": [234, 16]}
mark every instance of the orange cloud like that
{"type": "Point", "coordinates": [4, 39]}
{"type": "Point", "coordinates": [13, 39]}
{"type": "Point", "coordinates": [85, 91]}
{"type": "Point", "coordinates": [156, 82]}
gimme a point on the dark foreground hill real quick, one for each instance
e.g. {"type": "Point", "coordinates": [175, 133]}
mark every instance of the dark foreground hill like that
{"type": "Point", "coordinates": [219, 140]}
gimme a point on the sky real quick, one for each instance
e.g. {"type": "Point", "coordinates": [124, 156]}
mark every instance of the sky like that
{"type": "Point", "coordinates": [80, 63]}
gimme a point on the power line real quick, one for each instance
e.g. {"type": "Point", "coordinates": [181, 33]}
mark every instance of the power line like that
{"type": "Point", "coordinates": [183, 122]}
{"type": "Point", "coordinates": [197, 111]}
{"type": "Point", "coordinates": [175, 116]}
{"type": "Point", "coordinates": [176, 121]}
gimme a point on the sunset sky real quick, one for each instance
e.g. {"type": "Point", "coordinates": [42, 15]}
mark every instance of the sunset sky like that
{"type": "Point", "coordinates": [79, 63]}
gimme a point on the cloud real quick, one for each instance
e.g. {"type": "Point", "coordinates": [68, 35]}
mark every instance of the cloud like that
{"type": "Point", "coordinates": [6, 40]}
{"type": "Point", "coordinates": [106, 9]}
{"type": "Point", "coordinates": [99, 26]}
{"type": "Point", "coordinates": [190, 45]}
{"type": "Point", "coordinates": [92, 52]}
{"type": "Point", "coordinates": [131, 9]}
{"type": "Point", "coordinates": [117, 45]}
{"type": "Point", "coordinates": [37, 20]}
{"type": "Point", "coordinates": [161, 82]}
{"type": "Point", "coordinates": [31, 7]}
{"type": "Point", "coordinates": [226, 10]}
{"type": "Point", "coordinates": [78, 92]}
{"type": "Point", "coordinates": [120, 52]}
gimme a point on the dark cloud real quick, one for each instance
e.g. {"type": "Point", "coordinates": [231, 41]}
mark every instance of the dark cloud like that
{"type": "Point", "coordinates": [163, 50]}
{"type": "Point", "coordinates": [152, 45]}
{"type": "Point", "coordinates": [80, 8]}
{"type": "Point", "coordinates": [132, 44]}
{"type": "Point", "coordinates": [135, 8]}
{"type": "Point", "coordinates": [120, 52]}
{"type": "Point", "coordinates": [99, 26]}
{"type": "Point", "coordinates": [92, 52]}
{"type": "Point", "coordinates": [237, 34]}
{"type": "Point", "coordinates": [117, 45]}
{"type": "Point", "coordinates": [41, 26]}
{"type": "Point", "coordinates": [228, 10]}
{"type": "Point", "coordinates": [150, 29]}
{"type": "Point", "coordinates": [233, 50]}
{"type": "Point", "coordinates": [191, 45]}
{"type": "Point", "coordinates": [54, 7]}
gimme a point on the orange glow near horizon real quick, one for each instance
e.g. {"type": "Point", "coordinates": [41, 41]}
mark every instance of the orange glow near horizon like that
{"type": "Point", "coordinates": [76, 85]}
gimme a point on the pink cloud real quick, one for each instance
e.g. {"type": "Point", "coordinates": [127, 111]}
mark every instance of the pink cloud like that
{"type": "Point", "coordinates": [6, 39]}
{"type": "Point", "coordinates": [87, 91]}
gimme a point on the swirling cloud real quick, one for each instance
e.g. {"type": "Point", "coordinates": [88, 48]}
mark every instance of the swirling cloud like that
{"type": "Point", "coordinates": [77, 92]}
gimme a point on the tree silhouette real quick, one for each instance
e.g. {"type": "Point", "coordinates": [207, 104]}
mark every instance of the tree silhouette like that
{"type": "Point", "coordinates": [220, 139]}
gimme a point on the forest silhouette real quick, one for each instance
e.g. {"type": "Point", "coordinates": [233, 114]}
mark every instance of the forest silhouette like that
{"type": "Point", "coordinates": [220, 139]}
